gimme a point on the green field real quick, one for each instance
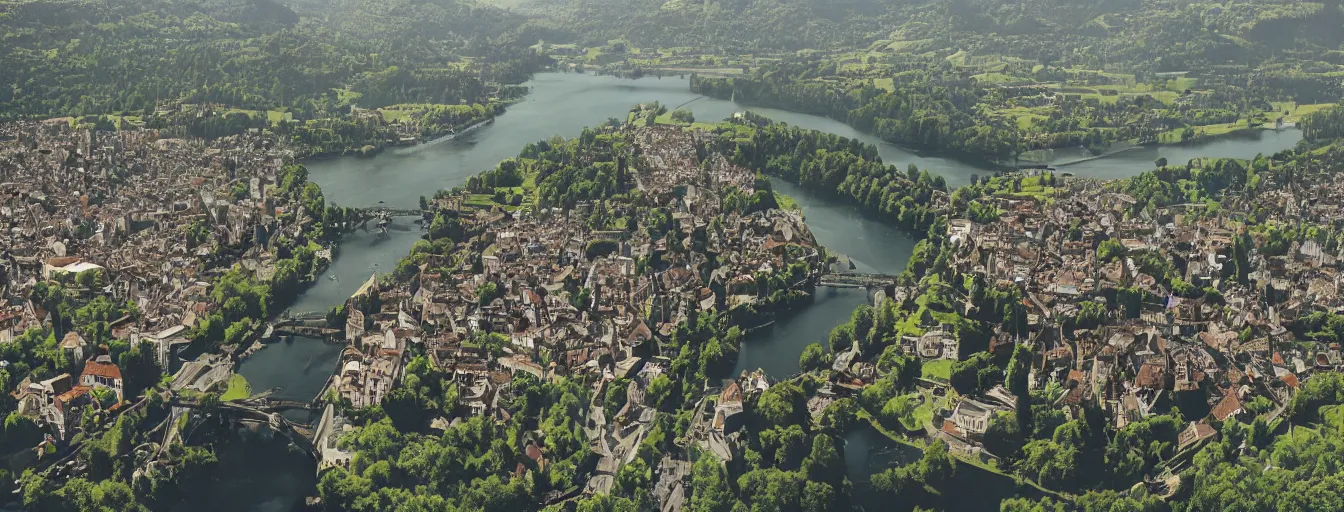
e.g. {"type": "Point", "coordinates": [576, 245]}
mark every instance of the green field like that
{"type": "Point", "coordinates": [938, 369]}
{"type": "Point", "coordinates": [1210, 130]}
{"type": "Point", "coordinates": [238, 389]}
{"type": "Point", "coordinates": [1296, 111]}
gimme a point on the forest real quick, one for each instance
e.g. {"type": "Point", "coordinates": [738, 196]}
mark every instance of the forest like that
{"type": "Point", "coordinates": [1094, 34]}
{"type": "Point", "coordinates": [80, 57]}
{"type": "Point", "coordinates": [846, 168]}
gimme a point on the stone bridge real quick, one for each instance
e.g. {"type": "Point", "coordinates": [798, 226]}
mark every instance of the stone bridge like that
{"type": "Point", "coordinates": [265, 404]}
{"type": "Point", "coordinates": [308, 331]}
{"type": "Point", "coordinates": [301, 316]}
{"type": "Point", "coordinates": [856, 280]}
{"type": "Point", "coordinates": [374, 211]}
{"type": "Point", "coordinates": [266, 412]}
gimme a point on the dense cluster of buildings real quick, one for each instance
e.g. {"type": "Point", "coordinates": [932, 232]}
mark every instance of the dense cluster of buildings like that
{"type": "Point", "coordinates": [553, 295]}
{"type": "Point", "coordinates": [1223, 340]}
{"type": "Point", "coordinates": [133, 217]}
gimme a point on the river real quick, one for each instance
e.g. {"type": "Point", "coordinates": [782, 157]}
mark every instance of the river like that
{"type": "Point", "coordinates": [868, 452]}
{"type": "Point", "coordinates": [563, 104]}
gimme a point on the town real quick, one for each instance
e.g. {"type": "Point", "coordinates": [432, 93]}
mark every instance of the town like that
{"type": "Point", "coordinates": [133, 248]}
{"type": "Point", "coordinates": [1171, 318]}
{"type": "Point", "coordinates": [591, 293]}
{"type": "Point", "coordinates": [592, 296]}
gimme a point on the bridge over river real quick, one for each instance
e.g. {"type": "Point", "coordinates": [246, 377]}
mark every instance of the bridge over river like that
{"type": "Point", "coordinates": [266, 412]}
{"type": "Point", "coordinates": [856, 280]}
{"type": "Point", "coordinates": [375, 211]}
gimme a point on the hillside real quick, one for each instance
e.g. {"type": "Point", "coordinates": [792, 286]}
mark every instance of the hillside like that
{"type": "Point", "coordinates": [1163, 35]}
{"type": "Point", "coordinates": [77, 57]}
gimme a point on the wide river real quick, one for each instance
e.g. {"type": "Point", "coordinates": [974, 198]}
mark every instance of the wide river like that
{"type": "Point", "coordinates": [563, 104]}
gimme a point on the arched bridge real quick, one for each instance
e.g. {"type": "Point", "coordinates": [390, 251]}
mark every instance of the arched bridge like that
{"type": "Point", "coordinates": [375, 211]}
{"type": "Point", "coordinates": [267, 412]}
{"type": "Point", "coordinates": [265, 404]}
{"type": "Point", "coordinates": [856, 280]}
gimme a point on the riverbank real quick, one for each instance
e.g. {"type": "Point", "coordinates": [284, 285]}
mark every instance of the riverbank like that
{"type": "Point", "coordinates": [356, 149]}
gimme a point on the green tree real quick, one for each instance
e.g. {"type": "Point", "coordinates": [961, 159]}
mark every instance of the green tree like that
{"type": "Point", "coordinates": [814, 358]}
{"type": "Point", "coordinates": [823, 464]}
{"type": "Point", "coordinates": [1109, 250]}
{"type": "Point", "coordinates": [1019, 368]}
{"type": "Point", "coordinates": [709, 487]}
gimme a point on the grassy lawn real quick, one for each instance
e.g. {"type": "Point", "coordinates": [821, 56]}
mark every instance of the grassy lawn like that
{"type": "Point", "coordinates": [907, 46]}
{"type": "Point", "coordinates": [993, 78]}
{"type": "Point", "coordinates": [1025, 117]}
{"type": "Point", "coordinates": [1181, 84]}
{"type": "Point", "coordinates": [1295, 111]}
{"type": "Point", "coordinates": [238, 388]}
{"type": "Point", "coordinates": [864, 415]}
{"type": "Point", "coordinates": [909, 326]}
{"type": "Point", "coordinates": [938, 369]}
{"type": "Point", "coordinates": [484, 201]}
{"type": "Point", "coordinates": [394, 115]}
{"type": "Point", "coordinates": [924, 413]}
{"type": "Point", "coordinates": [1210, 130]}
{"type": "Point", "coordinates": [701, 125]}
{"type": "Point", "coordinates": [1220, 129]}
{"type": "Point", "coordinates": [959, 58]}
{"type": "Point", "coordinates": [667, 119]}
{"type": "Point", "coordinates": [921, 415]}
{"type": "Point", "coordinates": [126, 122]}
{"type": "Point", "coordinates": [787, 203]}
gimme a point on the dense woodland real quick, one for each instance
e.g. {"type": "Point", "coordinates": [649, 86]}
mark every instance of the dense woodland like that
{"type": "Point", "coordinates": [76, 57]}
{"type": "Point", "coordinates": [847, 168]}
{"type": "Point", "coordinates": [1156, 35]}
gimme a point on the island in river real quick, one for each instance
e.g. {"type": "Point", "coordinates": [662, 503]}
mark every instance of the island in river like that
{"type": "Point", "coordinates": [564, 103]}
{"type": "Point", "coordinates": [617, 289]}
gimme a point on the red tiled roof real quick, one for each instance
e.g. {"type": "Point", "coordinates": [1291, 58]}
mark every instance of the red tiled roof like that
{"type": "Point", "coordinates": [1290, 380]}
{"type": "Point", "coordinates": [106, 370]}
{"type": "Point", "coordinates": [74, 393]}
{"type": "Point", "coordinates": [731, 393]}
{"type": "Point", "coordinates": [640, 332]}
{"type": "Point", "coordinates": [1073, 396]}
{"type": "Point", "coordinates": [1195, 433]}
{"type": "Point", "coordinates": [61, 261]}
{"type": "Point", "coordinates": [950, 428]}
{"type": "Point", "coordinates": [1151, 376]}
{"type": "Point", "coordinates": [1228, 406]}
